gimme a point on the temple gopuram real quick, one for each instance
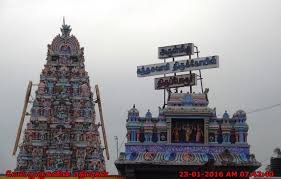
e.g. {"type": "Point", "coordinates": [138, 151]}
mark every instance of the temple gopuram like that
{"type": "Point", "coordinates": [62, 133]}
{"type": "Point", "coordinates": [186, 139]}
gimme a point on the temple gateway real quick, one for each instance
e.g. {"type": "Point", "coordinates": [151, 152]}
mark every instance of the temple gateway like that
{"type": "Point", "coordinates": [186, 139]}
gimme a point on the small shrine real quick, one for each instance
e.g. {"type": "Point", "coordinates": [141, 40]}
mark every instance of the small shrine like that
{"type": "Point", "coordinates": [62, 133]}
{"type": "Point", "coordinates": [186, 135]}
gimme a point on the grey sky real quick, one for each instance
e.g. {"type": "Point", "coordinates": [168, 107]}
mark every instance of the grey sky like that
{"type": "Point", "coordinates": [118, 35]}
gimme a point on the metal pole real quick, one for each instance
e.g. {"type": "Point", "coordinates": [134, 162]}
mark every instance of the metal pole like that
{"type": "Point", "coordinates": [175, 74]}
{"type": "Point", "coordinates": [116, 138]}
{"type": "Point", "coordinates": [190, 87]}
{"type": "Point", "coordinates": [197, 52]}
{"type": "Point", "coordinates": [164, 89]}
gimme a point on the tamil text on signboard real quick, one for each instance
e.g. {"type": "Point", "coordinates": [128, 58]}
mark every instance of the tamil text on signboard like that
{"type": "Point", "coordinates": [178, 66]}
{"type": "Point", "coordinates": [175, 50]}
{"type": "Point", "coordinates": [175, 81]}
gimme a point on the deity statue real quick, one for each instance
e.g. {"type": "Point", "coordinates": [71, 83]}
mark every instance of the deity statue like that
{"type": "Point", "coordinates": [34, 152]}
{"type": "Point", "coordinates": [232, 136]}
{"type": "Point", "coordinates": [22, 164]}
{"type": "Point", "coordinates": [101, 166]}
{"type": "Point", "coordinates": [50, 51]}
{"type": "Point", "coordinates": [41, 88]}
{"type": "Point", "coordinates": [46, 103]}
{"type": "Point", "coordinates": [40, 151]}
{"type": "Point", "coordinates": [47, 112]}
{"type": "Point", "coordinates": [59, 136]}
{"type": "Point", "coordinates": [36, 163]}
{"type": "Point", "coordinates": [41, 136]}
{"type": "Point", "coordinates": [176, 134]}
{"type": "Point", "coordinates": [76, 113]}
{"type": "Point", "coordinates": [82, 51]}
{"type": "Point", "coordinates": [63, 60]}
{"type": "Point", "coordinates": [50, 163]}
{"type": "Point", "coordinates": [141, 136]}
{"type": "Point", "coordinates": [45, 71]}
{"type": "Point", "coordinates": [93, 165]}
{"type": "Point", "coordinates": [182, 135]}
{"type": "Point", "coordinates": [67, 163]}
{"type": "Point", "coordinates": [187, 134]}
{"type": "Point", "coordinates": [84, 89]}
{"type": "Point", "coordinates": [88, 112]}
{"type": "Point", "coordinates": [69, 91]}
{"type": "Point", "coordinates": [88, 137]}
{"type": "Point", "coordinates": [75, 71]}
{"type": "Point", "coordinates": [29, 125]}
{"type": "Point", "coordinates": [88, 104]}
{"type": "Point", "coordinates": [28, 136]}
{"type": "Point", "coordinates": [163, 137]}
{"type": "Point", "coordinates": [211, 137]}
{"type": "Point", "coordinates": [76, 104]}
{"type": "Point", "coordinates": [80, 155]}
{"type": "Point", "coordinates": [59, 162]}
{"type": "Point", "coordinates": [53, 70]}
{"type": "Point", "coordinates": [75, 91]}
{"type": "Point", "coordinates": [95, 152]}
{"type": "Point", "coordinates": [219, 135]}
{"type": "Point", "coordinates": [82, 72]}
{"type": "Point", "coordinates": [154, 134]}
{"type": "Point", "coordinates": [65, 49]}
{"type": "Point", "coordinates": [64, 70]}
{"type": "Point", "coordinates": [199, 134]}
{"type": "Point", "coordinates": [193, 133]}
{"type": "Point", "coordinates": [30, 165]}
{"type": "Point", "coordinates": [81, 137]}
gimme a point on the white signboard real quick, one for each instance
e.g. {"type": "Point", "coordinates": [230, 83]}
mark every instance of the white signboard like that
{"type": "Point", "coordinates": [175, 51]}
{"type": "Point", "coordinates": [178, 66]}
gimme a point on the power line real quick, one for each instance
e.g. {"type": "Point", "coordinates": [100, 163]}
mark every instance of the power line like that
{"type": "Point", "coordinates": [264, 108]}
{"type": "Point", "coordinates": [122, 142]}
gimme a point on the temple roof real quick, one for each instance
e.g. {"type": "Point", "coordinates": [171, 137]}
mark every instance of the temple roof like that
{"type": "Point", "coordinates": [187, 99]}
{"type": "Point", "coordinates": [240, 114]}
{"type": "Point", "coordinates": [133, 110]}
{"type": "Point", "coordinates": [64, 42]}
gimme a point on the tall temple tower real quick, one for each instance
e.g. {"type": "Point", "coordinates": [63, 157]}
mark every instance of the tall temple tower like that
{"type": "Point", "coordinates": [62, 133]}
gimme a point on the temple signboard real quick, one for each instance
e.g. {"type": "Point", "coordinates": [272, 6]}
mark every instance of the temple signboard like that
{"type": "Point", "coordinates": [175, 81]}
{"type": "Point", "coordinates": [175, 51]}
{"type": "Point", "coordinates": [178, 66]}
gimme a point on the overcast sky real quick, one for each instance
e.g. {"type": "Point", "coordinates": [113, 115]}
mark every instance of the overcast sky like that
{"type": "Point", "coordinates": [118, 35]}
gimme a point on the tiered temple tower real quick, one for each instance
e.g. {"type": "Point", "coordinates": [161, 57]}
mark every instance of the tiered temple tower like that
{"type": "Point", "coordinates": [62, 133]}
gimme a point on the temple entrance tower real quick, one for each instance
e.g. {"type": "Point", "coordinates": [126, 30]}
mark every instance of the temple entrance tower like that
{"type": "Point", "coordinates": [62, 133]}
{"type": "Point", "coordinates": [186, 139]}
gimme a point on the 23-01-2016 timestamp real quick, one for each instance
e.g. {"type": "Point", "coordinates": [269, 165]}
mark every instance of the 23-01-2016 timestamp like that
{"type": "Point", "coordinates": [224, 174]}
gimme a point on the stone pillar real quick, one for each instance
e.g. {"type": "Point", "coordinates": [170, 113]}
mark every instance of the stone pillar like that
{"type": "Point", "coordinates": [216, 137]}
{"type": "Point", "coordinates": [169, 130]}
{"type": "Point", "coordinates": [240, 136]}
{"type": "Point", "coordinates": [138, 135]}
{"type": "Point", "coordinates": [228, 138]}
{"type": "Point", "coordinates": [246, 136]}
{"type": "Point", "coordinates": [206, 131]}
